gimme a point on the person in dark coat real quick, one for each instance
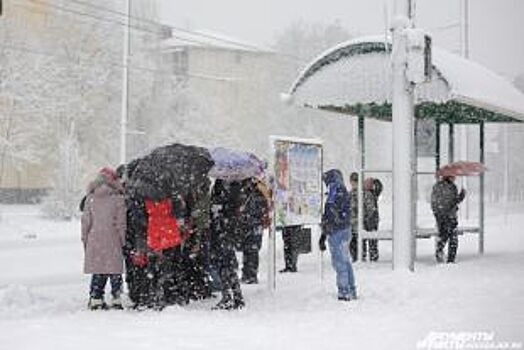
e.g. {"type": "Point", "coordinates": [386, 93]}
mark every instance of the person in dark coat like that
{"type": "Point", "coordinates": [225, 206]}
{"type": "Point", "coordinates": [372, 191]}
{"type": "Point", "coordinates": [336, 228]}
{"type": "Point", "coordinates": [195, 249]}
{"type": "Point", "coordinates": [136, 265]}
{"type": "Point", "coordinates": [157, 250]}
{"type": "Point", "coordinates": [445, 199]}
{"type": "Point", "coordinates": [289, 238]}
{"type": "Point", "coordinates": [353, 196]}
{"type": "Point", "coordinates": [103, 233]}
{"type": "Point", "coordinates": [253, 210]}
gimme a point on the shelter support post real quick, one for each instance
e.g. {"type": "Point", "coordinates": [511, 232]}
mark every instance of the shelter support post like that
{"type": "Point", "coordinates": [481, 190]}
{"type": "Point", "coordinates": [414, 201]}
{"type": "Point", "coordinates": [437, 155]}
{"type": "Point", "coordinates": [360, 191]}
{"type": "Point", "coordinates": [403, 142]}
{"type": "Point", "coordinates": [271, 250]}
{"type": "Point", "coordinates": [437, 146]}
{"type": "Point", "coordinates": [451, 143]}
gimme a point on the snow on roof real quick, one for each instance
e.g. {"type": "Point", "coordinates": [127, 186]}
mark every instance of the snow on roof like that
{"type": "Point", "coordinates": [358, 72]}
{"type": "Point", "coordinates": [206, 38]}
{"type": "Point", "coordinates": [474, 84]}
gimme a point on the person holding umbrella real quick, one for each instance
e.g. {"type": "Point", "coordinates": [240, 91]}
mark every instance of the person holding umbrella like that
{"type": "Point", "coordinates": [445, 199]}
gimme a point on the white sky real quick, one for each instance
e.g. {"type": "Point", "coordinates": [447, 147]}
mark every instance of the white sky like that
{"type": "Point", "coordinates": [496, 26]}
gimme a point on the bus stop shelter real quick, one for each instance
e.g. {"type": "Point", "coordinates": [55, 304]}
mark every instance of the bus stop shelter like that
{"type": "Point", "coordinates": [354, 78]}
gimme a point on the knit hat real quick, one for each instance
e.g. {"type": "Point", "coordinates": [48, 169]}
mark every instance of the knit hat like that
{"type": "Point", "coordinates": [109, 174]}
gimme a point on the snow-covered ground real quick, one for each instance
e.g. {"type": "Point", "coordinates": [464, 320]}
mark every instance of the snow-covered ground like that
{"type": "Point", "coordinates": [43, 297]}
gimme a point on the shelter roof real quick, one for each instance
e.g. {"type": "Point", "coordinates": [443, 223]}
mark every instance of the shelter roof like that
{"type": "Point", "coordinates": [354, 77]}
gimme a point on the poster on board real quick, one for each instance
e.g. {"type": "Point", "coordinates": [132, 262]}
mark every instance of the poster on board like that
{"type": "Point", "coordinates": [298, 181]}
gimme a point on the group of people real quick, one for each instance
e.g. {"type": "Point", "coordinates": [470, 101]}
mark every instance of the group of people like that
{"type": "Point", "coordinates": [173, 250]}
{"type": "Point", "coordinates": [183, 247]}
{"type": "Point", "coordinates": [340, 223]}
{"type": "Point", "coordinates": [372, 189]}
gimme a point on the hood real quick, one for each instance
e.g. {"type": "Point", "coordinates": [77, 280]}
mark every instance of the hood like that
{"type": "Point", "coordinates": [333, 177]}
{"type": "Point", "coordinates": [100, 180]}
{"type": "Point", "coordinates": [106, 190]}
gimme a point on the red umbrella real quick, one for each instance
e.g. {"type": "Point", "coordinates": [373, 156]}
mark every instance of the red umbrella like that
{"type": "Point", "coordinates": [462, 169]}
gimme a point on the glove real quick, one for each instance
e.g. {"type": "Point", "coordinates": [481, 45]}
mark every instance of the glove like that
{"type": "Point", "coordinates": [322, 242]}
{"type": "Point", "coordinates": [139, 259]}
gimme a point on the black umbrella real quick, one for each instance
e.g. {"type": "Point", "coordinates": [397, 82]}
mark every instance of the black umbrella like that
{"type": "Point", "coordinates": [170, 170]}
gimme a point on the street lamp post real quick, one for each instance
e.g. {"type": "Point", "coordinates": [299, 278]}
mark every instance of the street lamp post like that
{"type": "Point", "coordinates": [125, 86]}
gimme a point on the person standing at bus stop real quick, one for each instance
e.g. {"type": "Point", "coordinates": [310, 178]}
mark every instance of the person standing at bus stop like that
{"type": "Point", "coordinates": [445, 199]}
{"type": "Point", "coordinates": [336, 228]}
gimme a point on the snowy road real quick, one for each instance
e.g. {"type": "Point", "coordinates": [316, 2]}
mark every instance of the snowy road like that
{"type": "Point", "coordinates": [43, 297]}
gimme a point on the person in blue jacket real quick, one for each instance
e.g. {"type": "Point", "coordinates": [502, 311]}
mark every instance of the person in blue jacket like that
{"type": "Point", "coordinates": [336, 228]}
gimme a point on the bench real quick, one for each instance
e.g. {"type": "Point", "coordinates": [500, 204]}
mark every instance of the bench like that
{"type": "Point", "coordinates": [424, 233]}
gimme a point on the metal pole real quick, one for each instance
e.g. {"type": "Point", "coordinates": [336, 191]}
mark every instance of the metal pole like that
{"type": "Point", "coordinates": [437, 159]}
{"type": "Point", "coordinates": [271, 251]}
{"type": "Point", "coordinates": [403, 142]}
{"type": "Point", "coordinates": [451, 143]}
{"type": "Point", "coordinates": [322, 208]}
{"type": "Point", "coordinates": [466, 28]}
{"type": "Point", "coordinates": [125, 85]}
{"type": "Point", "coordinates": [356, 145]}
{"type": "Point", "coordinates": [506, 173]}
{"type": "Point", "coordinates": [360, 186]}
{"type": "Point", "coordinates": [481, 191]}
{"type": "Point", "coordinates": [414, 202]}
{"type": "Point", "coordinates": [437, 146]}
{"type": "Point", "coordinates": [464, 132]}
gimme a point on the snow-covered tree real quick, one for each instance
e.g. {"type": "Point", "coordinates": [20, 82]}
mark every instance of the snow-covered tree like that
{"type": "Point", "coordinates": [65, 69]}
{"type": "Point", "coordinates": [62, 201]}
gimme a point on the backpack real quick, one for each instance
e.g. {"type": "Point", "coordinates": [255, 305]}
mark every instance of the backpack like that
{"type": "Point", "coordinates": [163, 231]}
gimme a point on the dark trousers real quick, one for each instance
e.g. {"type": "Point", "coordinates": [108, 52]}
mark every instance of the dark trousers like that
{"type": "Point", "coordinates": [197, 278]}
{"type": "Point", "coordinates": [136, 280]}
{"type": "Point", "coordinates": [162, 282]}
{"type": "Point", "coordinates": [227, 265]}
{"type": "Point", "coordinates": [250, 259]}
{"type": "Point", "coordinates": [98, 285]}
{"type": "Point", "coordinates": [289, 234]}
{"type": "Point", "coordinates": [371, 243]}
{"type": "Point", "coordinates": [447, 229]}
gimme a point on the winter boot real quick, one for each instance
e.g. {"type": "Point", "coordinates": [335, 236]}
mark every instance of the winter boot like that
{"type": "Point", "coordinates": [116, 304]}
{"type": "Point", "coordinates": [439, 255]}
{"type": "Point", "coordinates": [226, 303]}
{"type": "Point", "coordinates": [96, 304]}
{"type": "Point", "coordinates": [288, 269]}
{"type": "Point", "coordinates": [238, 301]}
{"type": "Point", "coordinates": [249, 279]}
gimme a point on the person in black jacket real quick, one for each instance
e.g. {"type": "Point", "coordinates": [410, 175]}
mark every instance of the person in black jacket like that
{"type": "Point", "coordinates": [253, 210]}
{"type": "Point", "coordinates": [445, 199]}
{"type": "Point", "coordinates": [196, 248]}
{"type": "Point", "coordinates": [372, 190]}
{"type": "Point", "coordinates": [225, 206]}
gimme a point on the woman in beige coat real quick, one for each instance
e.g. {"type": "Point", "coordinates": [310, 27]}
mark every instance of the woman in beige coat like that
{"type": "Point", "coordinates": [103, 236]}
